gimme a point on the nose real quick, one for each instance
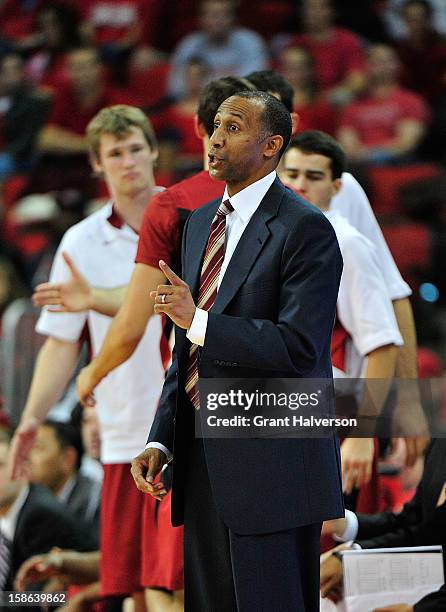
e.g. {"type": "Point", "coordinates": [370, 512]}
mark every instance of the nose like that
{"type": "Point", "coordinates": [128, 159]}
{"type": "Point", "coordinates": [217, 138]}
{"type": "Point", "coordinates": [300, 184]}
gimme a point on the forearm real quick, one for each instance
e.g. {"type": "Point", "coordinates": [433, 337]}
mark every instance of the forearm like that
{"type": "Point", "coordinates": [406, 362]}
{"type": "Point", "coordinates": [59, 140]}
{"type": "Point", "coordinates": [379, 374]}
{"type": "Point", "coordinates": [54, 367]}
{"type": "Point", "coordinates": [107, 301]}
{"type": "Point", "coordinates": [82, 568]}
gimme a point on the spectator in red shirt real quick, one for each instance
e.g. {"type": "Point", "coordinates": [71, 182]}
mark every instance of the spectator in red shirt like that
{"type": "Point", "coordinates": [78, 102]}
{"type": "Point", "coordinates": [388, 123]}
{"type": "Point", "coordinates": [315, 112]}
{"type": "Point", "coordinates": [180, 145]}
{"type": "Point", "coordinates": [56, 33]}
{"type": "Point", "coordinates": [422, 42]}
{"type": "Point", "coordinates": [338, 54]}
{"type": "Point", "coordinates": [16, 22]}
{"type": "Point", "coordinates": [22, 114]}
{"type": "Point", "coordinates": [115, 26]}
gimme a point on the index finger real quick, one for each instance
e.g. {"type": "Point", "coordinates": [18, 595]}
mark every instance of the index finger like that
{"type": "Point", "coordinates": [170, 274]}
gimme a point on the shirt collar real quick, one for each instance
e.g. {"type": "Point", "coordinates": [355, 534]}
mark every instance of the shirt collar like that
{"type": "Point", "coordinates": [66, 490]}
{"type": "Point", "coordinates": [8, 523]}
{"type": "Point", "coordinates": [246, 201]}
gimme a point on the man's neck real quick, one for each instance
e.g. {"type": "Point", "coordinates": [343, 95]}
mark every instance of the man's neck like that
{"type": "Point", "coordinates": [131, 207]}
{"type": "Point", "coordinates": [383, 89]}
{"type": "Point", "coordinates": [234, 188]}
{"type": "Point", "coordinates": [321, 35]}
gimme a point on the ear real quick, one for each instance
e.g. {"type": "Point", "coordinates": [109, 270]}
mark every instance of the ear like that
{"type": "Point", "coordinates": [96, 165]}
{"type": "Point", "coordinates": [70, 458]}
{"type": "Point", "coordinates": [272, 146]}
{"type": "Point", "coordinates": [154, 154]}
{"type": "Point", "coordinates": [199, 128]}
{"type": "Point", "coordinates": [337, 185]}
{"type": "Point", "coordinates": [294, 123]}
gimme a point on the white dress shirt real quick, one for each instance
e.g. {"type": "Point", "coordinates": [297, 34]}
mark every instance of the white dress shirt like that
{"type": "Point", "coordinates": [8, 522]}
{"type": "Point", "coordinates": [245, 203]}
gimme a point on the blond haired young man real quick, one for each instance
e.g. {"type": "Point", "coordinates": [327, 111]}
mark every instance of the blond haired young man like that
{"type": "Point", "coordinates": [103, 248]}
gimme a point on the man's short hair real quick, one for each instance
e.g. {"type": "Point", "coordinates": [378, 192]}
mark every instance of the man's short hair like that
{"type": "Point", "coordinates": [424, 3]}
{"type": "Point", "coordinates": [231, 4]}
{"type": "Point", "coordinates": [117, 120]}
{"type": "Point", "coordinates": [274, 83]}
{"type": "Point", "coordinates": [213, 94]}
{"type": "Point", "coordinates": [67, 436]}
{"type": "Point", "coordinates": [314, 141]}
{"type": "Point", "coordinates": [274, 118]}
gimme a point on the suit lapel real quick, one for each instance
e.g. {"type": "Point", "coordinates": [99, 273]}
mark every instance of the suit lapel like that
{"type": "Point", "coordinates": [249, 247]}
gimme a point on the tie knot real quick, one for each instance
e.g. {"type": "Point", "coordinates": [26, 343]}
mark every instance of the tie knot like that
{"type": "Point", "coordinates": [225, 208]}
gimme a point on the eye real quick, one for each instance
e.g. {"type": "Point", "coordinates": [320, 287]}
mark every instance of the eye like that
{"type": "Point", "coordinates": [216, 125]}
{"type": "Point", "coordinates": [233, 127]}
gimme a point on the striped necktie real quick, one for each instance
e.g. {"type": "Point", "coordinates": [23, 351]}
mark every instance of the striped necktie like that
{"type": "Point", "coordinates": [5, 560]}
{"type": "Point", "coordinates": [210, 271]}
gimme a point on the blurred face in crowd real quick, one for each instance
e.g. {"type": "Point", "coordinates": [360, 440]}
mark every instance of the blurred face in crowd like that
{"type": "Point", "coordinates": [11, 74]}
{"type": "Point", "coordinates": [295, 65]}
{"type": "Point", "coordinates": [195, 76]}
{"type": "Point", "coordinates": [90, 433]}
{"type": "Point", "coordinates": [317, 15]}
{"type": "Point", "coordinates": [217, 18]}
{"type": "Point", "coordinates": [126, 162]}
{"type": "Point", "coordinates": [50, 28]}
{"type": "Point", "coordinates": [417, 20]}
{"type": "Point", "coordinates": [382, 64]}
{"type": "Point", "coordinates": [9, 489]}
{"type": "Point", "coordinates": [51, 465]}
{"type": "Point", "coordinates": [84, 69]}
{"type": "Point", "coordinates": [310, 174]}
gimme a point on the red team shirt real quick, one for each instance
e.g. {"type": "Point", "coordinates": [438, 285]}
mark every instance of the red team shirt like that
{"type": "Point", "coordinates": [334, 58]}
{"type": "Point", "coordinates": [160, 235]}
{"type": "Point", "coordinates": [376, 119]}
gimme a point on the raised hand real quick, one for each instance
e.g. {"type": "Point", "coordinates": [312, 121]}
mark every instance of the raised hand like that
{"type": "Point", "coordinates": [357, 460]}
{"type": "Point", "coordinates": [21, 444]}
{"type": "Point", "coordinates": [174, 300]}
{"type": "Point", "coordinates": [72, 296]}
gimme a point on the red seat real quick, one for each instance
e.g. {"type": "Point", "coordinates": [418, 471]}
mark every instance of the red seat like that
{"type": "Point", "coordinates": [410, 244]}
{"type": "Point", "coordinates": [386, 182]}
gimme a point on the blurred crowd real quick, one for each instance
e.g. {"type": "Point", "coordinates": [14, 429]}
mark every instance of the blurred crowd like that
{"type": "Point", "coordinates": [370, 73]}
{"type": "Point", "coordinates": [374, 77]}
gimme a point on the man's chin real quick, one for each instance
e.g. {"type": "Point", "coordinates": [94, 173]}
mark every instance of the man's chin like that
{"type": "Point", "coordinates": [217, 175]}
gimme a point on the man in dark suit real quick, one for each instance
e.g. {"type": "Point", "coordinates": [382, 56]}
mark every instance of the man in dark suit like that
{"type": "Point", "coordinates": [32, 521]}
{"type": "Point", "coordinates": [265, 278]}
{"type": "Point", "coordinates": [422, 522]}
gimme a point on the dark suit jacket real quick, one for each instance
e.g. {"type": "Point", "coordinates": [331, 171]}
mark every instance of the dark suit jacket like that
{"type": "Point", "coordinates": [273, 317]}
{"type": "Point", "coordinates": [84, 501]}
{"type": "Point", "coordinates": [434, 602]}
{"type": "Point", "coordinates": [43, 522]}
{"type": "Point", "coordinates": [420, 523]}
{"type": "Point", "coordinates": [22, 123]}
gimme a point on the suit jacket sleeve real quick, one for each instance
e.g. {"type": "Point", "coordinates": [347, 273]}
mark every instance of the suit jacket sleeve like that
{"type": "Point", "coordinates": [427, 532]}
{"type": "Point", "coordinates": [434, 602]}
{"type": "Point", "coordinates": [373, 525]}
{"type": "Point", "coordinates": [311, 267]}
{"type": "Point", "coordinates": [163, 425]}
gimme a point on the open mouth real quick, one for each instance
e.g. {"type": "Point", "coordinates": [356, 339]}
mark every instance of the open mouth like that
{"type": "Point", "coordinates": [214, 161]}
